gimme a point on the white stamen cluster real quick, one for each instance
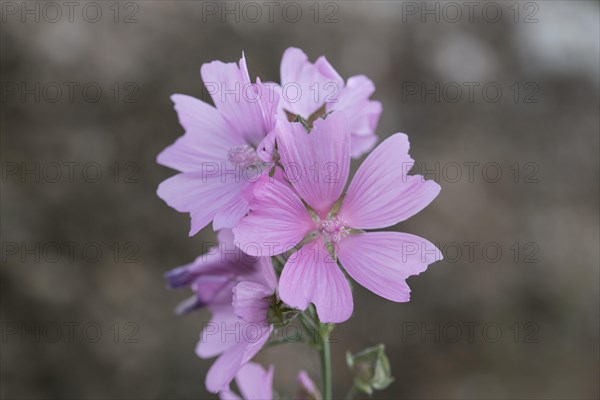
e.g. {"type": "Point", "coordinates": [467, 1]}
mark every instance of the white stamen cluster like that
{"type": "Point", "coordinates": [242, 155]}
{"type": "Point", "coordinates": [334, 229]}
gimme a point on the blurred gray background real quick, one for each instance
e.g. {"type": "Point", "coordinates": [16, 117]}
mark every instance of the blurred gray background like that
{"type": "Point", "coordinates": [518, 324]}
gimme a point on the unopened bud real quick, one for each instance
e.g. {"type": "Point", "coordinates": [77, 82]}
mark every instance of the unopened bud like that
{"type": "Point", "coordinates": [372, 369]}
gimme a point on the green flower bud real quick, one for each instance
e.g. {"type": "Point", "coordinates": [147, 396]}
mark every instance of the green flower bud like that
{"type": "Point", "coordinates": [372, 369]}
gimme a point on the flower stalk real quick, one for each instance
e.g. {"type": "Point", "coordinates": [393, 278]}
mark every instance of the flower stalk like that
{"type": "Point", "coordinates": [326, 362]}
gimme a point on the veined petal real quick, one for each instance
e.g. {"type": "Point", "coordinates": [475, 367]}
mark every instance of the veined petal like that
{"type": "Point", "coordinates": [186, 274]}
{"type": "Point", "coordinates": [317, 163]}
{"type": "Point", "coordinates": [266, 147]}
{"type": "Point", "coordinates": [207, 137]}
{"type": "Point", "coordinates": [268, 273]}
{"type": "Point", "coordinates": [249, 301]}
{"type": "Point", "coordinates": [236, 98]}
{"type": "Point", "coordinates": [215, 337]}
{"type": "Point", "coordinates": [256, 339]}
{"type": "Point", "coordinates": [381, 193]}
{"type": "Point", "coordinates": [229, 217]}
{"type": "Point", "coordinates": [197, 116]}
{"type": "Point", "coordinates": [277, 221]}
{"type": "Point", "coordinates": [222, 372]}
{"type": "Point", "coordinates": [224, 369]}
{"type": "Point", "coordinates": [305, 86]}
{"type": "Point", "coordinates": [363, 114]}
{"type": "Point", "coordinates": [203, 195]}
{"type": "Point", "coordinates": [312, 276]}
{"type": "Point", "coordinates": [381, 261]}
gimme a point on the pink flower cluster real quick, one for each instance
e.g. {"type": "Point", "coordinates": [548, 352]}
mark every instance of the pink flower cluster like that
{"type": "Point", "coordinates": [269, 166]}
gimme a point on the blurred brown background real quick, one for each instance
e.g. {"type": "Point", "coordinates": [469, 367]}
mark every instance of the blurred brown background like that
{"type": "Point", "coordinates": [518, 324]}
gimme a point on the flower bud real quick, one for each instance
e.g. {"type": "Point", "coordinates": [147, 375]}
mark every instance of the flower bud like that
{"type": "Point", "coordinates": [372, 369]}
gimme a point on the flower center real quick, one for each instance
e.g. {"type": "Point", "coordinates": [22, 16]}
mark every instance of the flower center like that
{"type": "Point", "coordinates": [333, 229]}
{"type": "Point", "coordinates": [243, 155]}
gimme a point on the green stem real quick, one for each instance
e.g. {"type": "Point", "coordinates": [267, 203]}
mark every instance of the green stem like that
{"type": "Point", "coordinates": [281, 260]}
{"type": "Point", "coordinates": [310, 327]}
{"type": "Point", "coordinates": [326, 367]}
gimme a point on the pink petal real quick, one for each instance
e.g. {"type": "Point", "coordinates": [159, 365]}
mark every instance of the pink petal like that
{"type": "Point", "coordinates": [266, 147]}
{"type": "Point", "coordinates": [204, 195]}
{"type": "Point", "coordinates": [308, 388]}
{"type": "Point", "coordinates": [363, 114]}
{"type": "Point", "coordinates": [381, 193]}
{"type": "Point", "coordinates": [277, 221]}
{"type": "Point", "coordinates": [222, 372]}
{"type": "Point", "coordinates": [360, 144]}
{"type": "Point", "coordinates": [214, 339]}
{"type": "Point", "coordinates": [268, 273]}
{"type": "Point", "coordinates": [227, 394]}
{"type": "Point", "coordinates": [236, 98]}
{"type": "Point", "coordinates": [254, 382]}
{"type": "Point", "coordinates": [207, 137]}
{"type": "Point", "coordinates": [186, 274]}
{"type": "Point", "coordinates": [230, 216]}
{"type": "Point", "coordinates": [317, 163]}
{"type": "Point", "coordinates": [312, 276]}
{"type": "Point", "coordinates": [255, 336]}
{"type": "Point", "coordinates": [381, 261]}
{"type": "Point", "coordinates": [268, 97]}
{"type": "Point", "coordinates": [249, 301]}
{"type": "Point", "coordinates": [307, 86]}
{"type": "Point", "coordinates": [210, 291]}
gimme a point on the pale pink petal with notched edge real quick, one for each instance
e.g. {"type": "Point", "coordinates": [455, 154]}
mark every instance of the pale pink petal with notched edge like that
{"type": "Point", "coordinates": [254, 382]}
{"type": "Point", "coordinates": [359, 144]}
{"type": "Point", "coordinates": [363, 114]}
{"type": "Point", "coordinates": [277, 221]}
{"type": "Point", "coordinates": [305, 86]}
{"type": "Point", "coordinates": [381, 193]}
{"type": "Point", "coordinates": [203, 196]}
{"type": "Point", "coordinates": [207, 137]}
{"type": "Point", "coordinates": [236, 98]}
{"type": "Point", "coordinates": [381, 261]}
{"type": "Point", "coordinates": [268, 97]}
{"type": "Point", "coordinates": [247, 345]}
{"type": "Point", "coordinates": [228, 217]}
{"type": "Point", "coordinates": [311, 276]}
{"type": "Point", "coordinates": [223, 370]}
{"type": "Point", "coordinates": [316, 163]}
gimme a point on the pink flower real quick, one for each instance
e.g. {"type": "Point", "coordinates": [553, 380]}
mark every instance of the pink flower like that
{"type": "Point", "coordinates": [381, 194]}
{"type": "Point", "coordinates": [238, 330]}
{"type": "Point", "coordinates": [213, 275]}
{"type": "Point", "coordinates": [253, 382]}
{"type": "Point", "coordinates": [224, 149]}
{"type": "Point", "coordinates": [308, 87]}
